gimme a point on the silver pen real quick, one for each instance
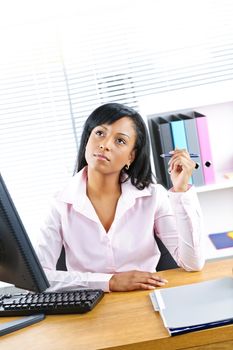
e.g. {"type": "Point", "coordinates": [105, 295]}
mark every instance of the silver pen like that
{"type": "Point", "coordinates": [168, 155]}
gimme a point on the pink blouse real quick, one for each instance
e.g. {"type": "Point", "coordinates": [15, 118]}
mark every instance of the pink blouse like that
{"type": "Point", "coordinates": [92, 255]}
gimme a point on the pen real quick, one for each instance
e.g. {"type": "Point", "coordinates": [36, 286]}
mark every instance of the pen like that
{"type": "Point", "coordinates": [168, 155]}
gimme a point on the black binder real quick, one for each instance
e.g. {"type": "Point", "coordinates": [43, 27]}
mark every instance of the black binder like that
{"type": "Point", "coordinates": [162, 142]}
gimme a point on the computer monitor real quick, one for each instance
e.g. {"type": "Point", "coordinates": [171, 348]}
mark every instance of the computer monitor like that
{"type": "Point", "coordinates": [19, 264]}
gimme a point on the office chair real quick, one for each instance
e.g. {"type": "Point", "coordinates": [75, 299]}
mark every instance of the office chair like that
{"type": "Point", "coordinates": [61, 263]}
{"type": "Point", "coordinates": [166, 261]}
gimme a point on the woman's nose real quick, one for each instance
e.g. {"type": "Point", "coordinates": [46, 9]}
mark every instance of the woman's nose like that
{"type": "Point", "coordinates": [106, 145]}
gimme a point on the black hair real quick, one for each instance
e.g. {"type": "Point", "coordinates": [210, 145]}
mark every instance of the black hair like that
{"type": "Point", "coordinates": [139, 171]}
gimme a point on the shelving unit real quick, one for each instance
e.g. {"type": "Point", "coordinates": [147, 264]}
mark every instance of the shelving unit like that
{"type": "Point", "coordinates": [216, 199]}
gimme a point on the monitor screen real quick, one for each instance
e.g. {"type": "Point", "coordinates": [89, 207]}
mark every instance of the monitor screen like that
{"type": "Point", "coordinates": [19, 264]}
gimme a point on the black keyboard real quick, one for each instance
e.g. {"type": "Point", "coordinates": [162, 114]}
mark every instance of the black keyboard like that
{"type": "Point", "coordinates": [72, 302]}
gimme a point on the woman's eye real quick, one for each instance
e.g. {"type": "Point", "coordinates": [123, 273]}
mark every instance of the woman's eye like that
{"type": "Point", "coordinates": [99, 133]}
{"type": "Point", "coordinates": [121, 141]}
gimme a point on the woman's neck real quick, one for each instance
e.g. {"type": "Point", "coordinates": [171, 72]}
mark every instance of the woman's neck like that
{"type": "Point", "coordinates": [103, 192]}
{"type": "Point", "coordinates": [102, 185]}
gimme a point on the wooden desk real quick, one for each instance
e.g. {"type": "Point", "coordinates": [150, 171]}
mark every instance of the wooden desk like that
{"type": "Point", "coordinates": [123, 321]}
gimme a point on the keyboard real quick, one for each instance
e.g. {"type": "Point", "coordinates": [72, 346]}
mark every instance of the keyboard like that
{"type": "Point", "coordinates": [71, 302]}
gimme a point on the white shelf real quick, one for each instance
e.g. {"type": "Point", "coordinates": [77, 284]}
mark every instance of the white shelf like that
{"type": "Point", "coordinates": [220, 184]}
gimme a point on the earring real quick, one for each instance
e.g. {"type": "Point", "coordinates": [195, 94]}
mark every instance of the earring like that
{"type": "Point", "coordinates": [127, 166]}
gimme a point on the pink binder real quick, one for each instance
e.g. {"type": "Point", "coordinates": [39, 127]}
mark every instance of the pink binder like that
{"type": "Point", "coordinates": [205, 148]}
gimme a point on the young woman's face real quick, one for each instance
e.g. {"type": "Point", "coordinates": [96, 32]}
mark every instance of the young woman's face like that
{"type": "Point", "coordinates": [111, 146]}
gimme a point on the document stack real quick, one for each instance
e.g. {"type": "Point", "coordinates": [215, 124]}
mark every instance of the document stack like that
{"type": "Point", "coordinates": [195, 306]}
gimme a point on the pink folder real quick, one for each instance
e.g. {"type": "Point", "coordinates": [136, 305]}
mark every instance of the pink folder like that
{"type": "Point", "coordinates": [205, 148]}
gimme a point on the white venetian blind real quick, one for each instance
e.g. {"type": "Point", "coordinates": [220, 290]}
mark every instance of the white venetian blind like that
{"type": "Point", "coordinates": [56, 69]}
{"type": "Point", "coordinates": [145, 50]}
{"type": "Point", "coordinates": [37, 140]}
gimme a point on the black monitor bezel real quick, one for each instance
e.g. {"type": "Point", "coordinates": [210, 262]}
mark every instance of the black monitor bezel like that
{"type": "Point", "coordinates": [31, 275]}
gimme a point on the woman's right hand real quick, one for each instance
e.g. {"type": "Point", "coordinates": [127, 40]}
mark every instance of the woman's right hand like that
{"type": "Point", "coordinates": [135, 280]}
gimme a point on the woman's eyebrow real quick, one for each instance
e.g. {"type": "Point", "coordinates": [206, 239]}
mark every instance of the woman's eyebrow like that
{"type": "Point", "coordinates": [118, 132]}
{"type": "Point", "coordinates": [121, 133]}
{"type": "Point", "coordinates": [102, 126]}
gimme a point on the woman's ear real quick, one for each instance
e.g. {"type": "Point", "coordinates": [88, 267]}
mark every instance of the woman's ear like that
{"type": "Point", "coordinates": [132, 156]}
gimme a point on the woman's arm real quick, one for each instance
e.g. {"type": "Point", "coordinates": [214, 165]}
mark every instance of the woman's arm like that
{"type": "Point", "coordinates": [181, 227]}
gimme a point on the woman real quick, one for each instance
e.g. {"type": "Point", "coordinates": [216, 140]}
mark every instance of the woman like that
{"type": "Point", "coordinates": [108, 213]}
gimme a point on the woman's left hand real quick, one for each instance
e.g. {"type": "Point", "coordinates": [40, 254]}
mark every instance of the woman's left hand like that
{"type": "Point", "coordinates": [181, 167]}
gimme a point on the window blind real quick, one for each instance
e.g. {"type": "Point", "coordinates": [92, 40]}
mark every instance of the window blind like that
{"type": "Point", "coordinates": [37, 139]}
{"type": "Point", "coordinates": [54, 71]}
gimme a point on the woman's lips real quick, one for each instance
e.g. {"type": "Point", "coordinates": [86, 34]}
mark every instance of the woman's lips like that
{"type": "Point", "coordinates": [101, 156]}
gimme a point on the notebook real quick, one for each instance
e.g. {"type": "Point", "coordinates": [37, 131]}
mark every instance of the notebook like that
{"type": "Point", "coordinates": [222, 240]}
{"type": "Point", "coordinates": [195, 306]}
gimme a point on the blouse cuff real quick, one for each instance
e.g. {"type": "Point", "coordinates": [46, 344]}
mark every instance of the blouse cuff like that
{"type": "Point", "coordinates": [99, 281]}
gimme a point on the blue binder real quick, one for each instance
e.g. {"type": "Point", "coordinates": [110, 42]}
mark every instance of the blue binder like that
{"type": "Point", "coordinates": [179, 134]}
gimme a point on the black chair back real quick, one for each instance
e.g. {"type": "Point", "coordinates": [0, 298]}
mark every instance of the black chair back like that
{"type": "Point", "coordinates": [166, 261]}
{"type": "Point", "coordinates": [61, 263]}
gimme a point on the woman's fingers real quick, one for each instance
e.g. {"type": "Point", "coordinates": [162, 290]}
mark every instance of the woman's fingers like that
{"type": "Point", "coordinates": [181, 162]}
{"type": "Point", "coordinates": [156, 283]}
{"type": "Point", "coordinates": [152, 283]}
